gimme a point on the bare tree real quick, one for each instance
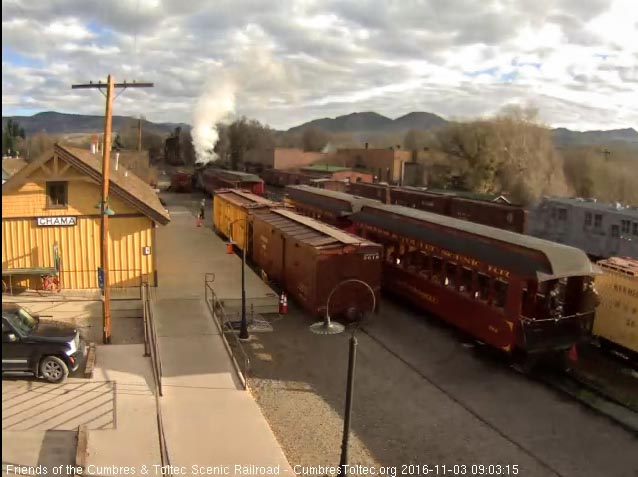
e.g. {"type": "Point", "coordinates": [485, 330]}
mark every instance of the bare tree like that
{"type": "Point", "coordinates": [245, 134]}
{"type": "Point", "coordinates": [314, 139]}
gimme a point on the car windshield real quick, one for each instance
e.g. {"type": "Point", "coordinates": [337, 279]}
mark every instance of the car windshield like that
{"type": "Point", "coordinates": [22, 321]}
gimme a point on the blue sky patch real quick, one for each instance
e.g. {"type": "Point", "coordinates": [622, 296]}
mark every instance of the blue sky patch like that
{"type": "Point", "coordinates": [16, 59]}
{"type": "Point", "coordinates": [488, 71]}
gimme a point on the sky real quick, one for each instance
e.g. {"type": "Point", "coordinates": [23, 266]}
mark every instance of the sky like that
{"type": "Point", "coordinates": [292, 61]}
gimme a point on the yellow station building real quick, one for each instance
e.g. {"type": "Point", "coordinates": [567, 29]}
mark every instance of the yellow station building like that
{"type": "Point", "coordinates": [56, 200]}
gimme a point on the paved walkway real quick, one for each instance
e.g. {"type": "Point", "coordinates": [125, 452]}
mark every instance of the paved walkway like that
{"type": "Point", "coordinates": [209, 419]}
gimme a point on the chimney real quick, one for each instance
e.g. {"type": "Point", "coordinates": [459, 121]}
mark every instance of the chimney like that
{"type": "Point", "coordinates": [366, 145]}
{"type": "Point", "coordinates": [398, 146]}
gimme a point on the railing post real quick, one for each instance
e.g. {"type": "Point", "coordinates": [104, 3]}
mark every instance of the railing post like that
{"type": "Point", "coordinates": [144, 294]}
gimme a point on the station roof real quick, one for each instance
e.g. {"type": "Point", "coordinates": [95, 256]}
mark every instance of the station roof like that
{"type": "Point", "coordinates": [127, 186]}
{"type": "Point", "coordinates": [242, 176]}
{"type": "Point", "coordinates": [564, 261]}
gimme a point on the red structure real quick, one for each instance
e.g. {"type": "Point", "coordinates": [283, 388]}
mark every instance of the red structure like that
{"type": "Point", "coordinates": [511, 291]}
{"type": "Point", "coordinates": [328, 206]}
{"type": "Point", "coordinates": [495, 214]}
{"type": "Point", "coordinates": [210, 179]}
{"type": "Point", "coordinates": [182, 181]}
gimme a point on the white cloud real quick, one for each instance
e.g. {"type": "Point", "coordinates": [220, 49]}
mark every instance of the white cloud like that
{"type": "Point", "coordinates": [303, 59]}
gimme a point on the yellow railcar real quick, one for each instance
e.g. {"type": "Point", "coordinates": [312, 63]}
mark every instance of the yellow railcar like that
{"type": "Point", "coordinates": [231, 211]}
{"type": "Point", "coordinates": [616, 318]}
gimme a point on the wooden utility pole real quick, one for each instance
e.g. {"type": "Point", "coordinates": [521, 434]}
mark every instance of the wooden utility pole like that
{"type": "Point", "coordinates": [105, 211]}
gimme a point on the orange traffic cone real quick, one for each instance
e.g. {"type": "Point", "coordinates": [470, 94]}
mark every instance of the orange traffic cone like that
{"type": "Point", "coordinates": [198, 222]}
{"type": "Point", "coordinates": [573, 354]}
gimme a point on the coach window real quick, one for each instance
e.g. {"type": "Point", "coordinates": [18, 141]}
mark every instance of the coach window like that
{"type": "Point", "coordinates": [635, 232]}
{"type": "Point", "coordinates": [483, 292]}
{"type": "Point", "coordinates": [426, 265]}
{"type": "Point", "coordinates": [615, 231]}
{"type": "Point", "coordinates": [587, 219]}
{"type": "Point", "coordinates": [598, 221]}
{"type": "Point", "coordinates": [466, 281]}
{"type": "Point", "coordinates": [626, 226]}
{"type": "Point", "coordinates": [500, 293]}
{"type": "Point", "coordinates": [437, 268]}
{"type": "Point", "coordinates": [450, 275]}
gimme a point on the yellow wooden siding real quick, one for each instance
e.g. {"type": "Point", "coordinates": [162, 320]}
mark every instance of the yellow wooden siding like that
{"type": "Point", "coordinates": [617, 316]}
{"type": "Point", "coordinates": [83, 195]}
{"type": "Point", "coordinates": [224, 214]}
{"type": "Point", "coordinates": [25, 245]}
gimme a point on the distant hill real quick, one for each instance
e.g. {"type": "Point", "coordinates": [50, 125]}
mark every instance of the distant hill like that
{"type": "Point", "coordinates": [370, 122]}
{"type": "Point", "coordinates": [52, 122]}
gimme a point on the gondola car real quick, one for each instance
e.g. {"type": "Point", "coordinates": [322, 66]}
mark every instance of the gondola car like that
{"type": "Point", "coordinates": [328, 206]}
{"type": "Point", "coordinates": [517, 293]}
{"type": "Point", "coordinates": [211, 178]}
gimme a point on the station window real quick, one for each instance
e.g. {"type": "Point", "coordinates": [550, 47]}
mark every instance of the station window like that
{"type": "Point", "coordinates": [598, 221]}
{"type": "Point", "coordinates": [587, 219]}
{"type": "Point", "coordinates": [57, 194]}
{"type": "Point", "coordinates": [483, 292]}
{"type": "Point", "coordinates": [626, 226]}
{"type": "Point", "coordinates": [500, 293]}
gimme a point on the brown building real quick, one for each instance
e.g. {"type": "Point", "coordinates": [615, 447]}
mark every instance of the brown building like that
{"type": "Point", "coordinates": [282, 158]}
{"type": "Point", "coordinates": [385, 164]}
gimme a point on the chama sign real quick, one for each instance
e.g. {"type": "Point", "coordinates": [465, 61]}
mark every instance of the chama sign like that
{"type": "Point", "coordinates": [52, 221]}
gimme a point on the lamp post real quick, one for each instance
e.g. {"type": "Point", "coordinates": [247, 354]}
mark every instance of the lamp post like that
{"type": "Point", "coordinates": [328, 327]}
{"type": "Point", "coordinates": [243, 330]}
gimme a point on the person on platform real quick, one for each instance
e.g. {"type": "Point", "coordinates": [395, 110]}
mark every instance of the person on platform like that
{"type": "Point", "coordinates": [590, 298]}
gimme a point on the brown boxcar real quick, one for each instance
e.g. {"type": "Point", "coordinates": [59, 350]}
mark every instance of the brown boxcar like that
{"type": "Point", "coordinates": [415, 199]}
{"type": "Point", "coordinates": [309, 258]}
{"type": "Point", "coordinates": [378, 192]}
{"type": "Point", "coordinates": [182, 181]}
{"type": "Point", "coordinates": [283, 178]}
{"type": "Point", "coordinates": [495, 214]}
{"type": "Point", "coordinates": [512, 291]}
{"type": "Point", "coordinates": [329, 184]}
{"type": "Point", "coordinates": [212, 178]}
{"type": "Point", "coordinates": [329, 206]}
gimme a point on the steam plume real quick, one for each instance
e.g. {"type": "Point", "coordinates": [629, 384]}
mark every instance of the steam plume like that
{"type": "Point", "coordinates": [216, 104]}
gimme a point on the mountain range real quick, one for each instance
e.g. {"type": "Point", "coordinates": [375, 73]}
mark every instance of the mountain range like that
{"type": "Point", "coordinates": [359, 123]}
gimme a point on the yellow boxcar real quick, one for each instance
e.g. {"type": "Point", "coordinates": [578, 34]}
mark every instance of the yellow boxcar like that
{"type": "Point", "coordinates": [617, 316]}
{"type": "Point", "coordinates": [231, 211]}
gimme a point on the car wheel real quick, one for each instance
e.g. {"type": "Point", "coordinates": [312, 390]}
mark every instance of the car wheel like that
{"type": "Point", "coordinates": [53, 369]}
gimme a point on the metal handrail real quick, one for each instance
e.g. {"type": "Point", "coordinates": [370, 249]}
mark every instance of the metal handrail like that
{"type": "Point", "coordinates": [241, 362]}
{"type": "Point", "coordinates": [151, 349]}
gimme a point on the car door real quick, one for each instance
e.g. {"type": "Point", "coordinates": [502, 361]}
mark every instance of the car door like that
{"type": "Point", "coordinates": [15, 353]}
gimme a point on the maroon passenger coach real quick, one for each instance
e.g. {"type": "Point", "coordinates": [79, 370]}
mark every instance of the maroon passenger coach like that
{"type": "Point", "coordinates": [511, 291]}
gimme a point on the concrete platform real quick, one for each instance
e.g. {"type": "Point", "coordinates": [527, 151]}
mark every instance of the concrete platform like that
{"type": "Point", "coordinates": [209, 419]}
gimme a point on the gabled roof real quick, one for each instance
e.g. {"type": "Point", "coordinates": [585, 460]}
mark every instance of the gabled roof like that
{"type": "Point", "coordinates": [127, 186]}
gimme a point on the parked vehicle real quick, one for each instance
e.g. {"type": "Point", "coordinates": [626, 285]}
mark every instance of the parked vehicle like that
{"type": "Point", "coordinates": [514, 292]}
{"type": "Point", "coordinates": [29, 345]}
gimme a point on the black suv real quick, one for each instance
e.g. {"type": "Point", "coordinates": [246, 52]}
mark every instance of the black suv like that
{"type": "Point", "coordinates": [47, 350]}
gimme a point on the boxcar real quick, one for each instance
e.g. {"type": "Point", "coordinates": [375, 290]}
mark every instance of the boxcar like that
{"type": "Point", "coordinates": [616, 320]}
{"type": "Point", "coordinates": [415, 199]}
{"type": "Point", "coordinates": [512, 291]}
{"type": "Point", "coordinates": [380, 192]}
{"type": "Point", "coordinates": [212, 178]}
{"type": "Point", "coordinates": [182, 181]}
{"type": "Point", "coordinates": [283, 178]}
{"type": "Point", "coordinates": [495, 214]}
{"type": "Point", "coordinates": [329, 206]}
{"type": "Point", "coordinates": [329, 184]}
{"type": "Point", "coordinates": [231, 211]}
{"type": "Point", "coordinates": [309, 258]}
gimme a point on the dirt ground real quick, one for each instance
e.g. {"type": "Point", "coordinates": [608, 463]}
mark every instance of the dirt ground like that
{"type": "Point", "coordinates": [422, 396]}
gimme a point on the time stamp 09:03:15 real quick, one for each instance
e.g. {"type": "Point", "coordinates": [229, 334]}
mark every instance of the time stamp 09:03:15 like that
{"type": "Point", "coordinates": [459, 469]}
